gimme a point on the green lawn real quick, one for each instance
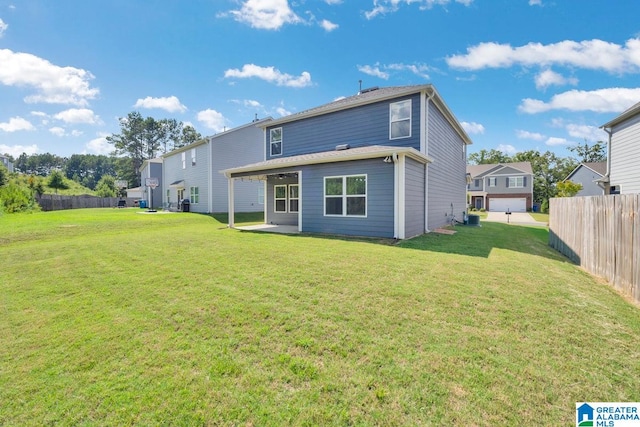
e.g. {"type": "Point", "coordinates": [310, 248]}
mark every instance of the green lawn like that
{"type": "Point", "coordinates": [114, 317]}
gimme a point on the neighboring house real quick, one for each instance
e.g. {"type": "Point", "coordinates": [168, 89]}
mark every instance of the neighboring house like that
{"type": "Point", "coordinates": [387, 162]}
{"type": "Point", "coordinates": [193, 172]}
{"type": "Point", "coordinates": [589, 175]}
{"type": "Point", "coordinates": [135, 193]}
{"type": "Point", "coordinates": [623, 153]}
{"type": "Point", "coordinates": [7, 163]}
{"type": "Point", "coordinates": [152, 169]}
{"type": "Point", "coordinates": [501, 187]}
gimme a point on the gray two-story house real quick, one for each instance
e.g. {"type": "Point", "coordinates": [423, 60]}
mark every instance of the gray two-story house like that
{"type": "Point", "coordinates": [193, 172]}
{"type": "Point", "coordinates": [589, 176]}
{"type": "Point", "coordinates": [501, 187]}
{"type": "Point", "coordinates": [386, 162]}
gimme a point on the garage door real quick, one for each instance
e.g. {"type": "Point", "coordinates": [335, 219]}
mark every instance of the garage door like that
{"type": "Point", "coordinates": [512, 205]}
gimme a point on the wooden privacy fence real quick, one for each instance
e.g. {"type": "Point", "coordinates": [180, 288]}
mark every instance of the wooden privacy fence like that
{"type": "Point", "coordinates": [602, 235]}
{"type": "Point", "coordinates": [56, 202]}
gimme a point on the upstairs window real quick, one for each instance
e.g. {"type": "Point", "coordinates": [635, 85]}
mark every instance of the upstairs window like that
{"type": "Point", "coordinates": [184, 160]}
{"type": "Point", "coordinates": [493, 182]}
{"type": "Point", "coordinates": [515, 182]}
{"type": "Point", "coordinates": [275, 139]}
{"type": "Point", "coordinates": [400, 119]}
{"type": "Point", "coordinates": [193, 157]}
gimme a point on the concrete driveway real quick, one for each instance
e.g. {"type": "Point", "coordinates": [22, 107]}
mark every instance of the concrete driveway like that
{"type": "Point", "coordinates": [519, 218]}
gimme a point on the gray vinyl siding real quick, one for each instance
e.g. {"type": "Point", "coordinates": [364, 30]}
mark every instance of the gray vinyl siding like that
{"type": "Point", "coordinates": [501, 184]}
{"type": "Point", "coordinates": [362, 126]}
{"type": "Point", "coordinates": [233, 149]}
{"type": "Point", "coordinates": [625, 156]}
{"type": "Point", "coordinates": [279, 218]}
{"type": "Point", "coordinates": [193, 176]}
{"type": "Point", "coordinates": [585, 176]}
{"type": "Point", "coordinates": [414, 198]}
{"type": "Point", "coordinates": [379, 221]}
{"type": "Point", "coordinates": [447, 174]}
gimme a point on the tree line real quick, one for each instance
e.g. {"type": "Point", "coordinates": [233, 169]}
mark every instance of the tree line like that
{"type": "Point", "coordinates": [549, 169]}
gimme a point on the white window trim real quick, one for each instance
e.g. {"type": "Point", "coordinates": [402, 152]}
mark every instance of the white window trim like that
{"type": "Point", "coordinates": [345, 196]}
{"type": "Point", "coordinates": [289, 198]}
{"type": "Point", "coordinates": [191, 194]}
{"type": "Point", "coordinates": [395, 121]}
{"type": "Point", "coordinates": [184, 160]}
{"type": "Point", "coordinates": [275, 198]}
{"type": "Point", "coordinates": [515, 180]}
{"type": "Point", "coordinates": [493, 181]}
{"type": "Point", "coordinates": [271, 142]}
{"type": "Point", "coordinates": [193, 157]}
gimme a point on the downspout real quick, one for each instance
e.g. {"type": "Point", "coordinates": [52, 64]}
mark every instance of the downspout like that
{"type": "Point", "coordinates": [607, 186]}
{"type": "Point", "coordinates": [396, 196]}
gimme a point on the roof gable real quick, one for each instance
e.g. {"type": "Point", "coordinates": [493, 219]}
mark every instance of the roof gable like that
{"type": "Point", "coordinates": [479, 171]}
{"type": "Point", "coordinates": [599, 168]}
{"type": "Point", "coordinates": [627, 114]}
{"type": "Point", "coordinates": [374, 95]}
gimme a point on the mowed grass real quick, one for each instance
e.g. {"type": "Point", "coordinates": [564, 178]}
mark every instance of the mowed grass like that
{"type": "Point", "coordinates": [113, 317]}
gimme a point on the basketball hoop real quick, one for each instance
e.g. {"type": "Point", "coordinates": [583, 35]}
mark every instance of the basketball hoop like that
{"type": "Point", "coordinates": [151, 182]}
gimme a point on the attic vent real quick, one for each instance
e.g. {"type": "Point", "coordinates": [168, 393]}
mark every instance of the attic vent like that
{"type": "Point", "coordinates": [369, 89]}
{"type": "Point", "coordinates": [342, 147]}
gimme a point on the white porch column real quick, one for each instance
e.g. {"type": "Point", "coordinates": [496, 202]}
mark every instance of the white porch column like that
{"type": "Point", "coordinates": [231, 202]}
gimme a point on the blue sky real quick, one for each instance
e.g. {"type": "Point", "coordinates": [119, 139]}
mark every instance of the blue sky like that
{"type": "Point", "coordinates": [518, 74]}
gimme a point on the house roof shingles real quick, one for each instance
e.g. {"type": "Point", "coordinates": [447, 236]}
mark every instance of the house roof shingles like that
{"type": "Point", "coordinates": [481, 170]}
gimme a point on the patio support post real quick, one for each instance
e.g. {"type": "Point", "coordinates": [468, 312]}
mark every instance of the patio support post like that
{"type": "Point", "coordinates": [231, 203]}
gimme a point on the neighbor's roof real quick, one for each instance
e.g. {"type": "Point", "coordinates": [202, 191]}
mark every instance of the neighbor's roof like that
{"type": "Point", "coordinates": [635, 109]}
{"type": "Point", "coordinates": [598, 167]}
{"type": "Point", "coordinates": [488, 169]}
{"type": "Point", "coordinates": [359, 153]}
{"type": "Point", "coordinates": [371, 95]}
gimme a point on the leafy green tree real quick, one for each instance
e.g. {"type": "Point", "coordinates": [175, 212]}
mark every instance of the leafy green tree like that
{"type": "Point", "coordinates": [87, 169]}
{"type": "Point", "coordinates": [590, 153]}
{"type": "Point", "coordinates": [16, 198]}
{"type": "Point", "coordinates": [568, 188]}
{"type": "Point", "coordinates": [107, 187]}
{"type": "Point", "coordinates": [4, 175]}
{"type": "Point", "coordinates": [56, 181]}
{"type": "Point", "coordinates": [39, 164]}
{"type": "Point", "coordinates": [189, 136]}
{"type": "Point", "coordinates": [484, 157]}
{"type": "Point", "coordinates": [548, 170]}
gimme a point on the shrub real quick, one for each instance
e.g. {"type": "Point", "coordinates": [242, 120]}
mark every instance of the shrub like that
{"type": "Point", "coordinates": [14, 198]}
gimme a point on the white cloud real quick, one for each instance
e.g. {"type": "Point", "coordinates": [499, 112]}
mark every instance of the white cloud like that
{"type": "Point", "coordinates": [212, 120]}
{"type": "Point", "coordinates": [535, 2]}
{"type": "Point", "coordinates": [99, 145]}
{"type": "Point", "coordinates": [76, 132]}
{"type": "Point", "coordinates": [171, 104]}
{"type": "Point", "coordinates": [249, 103]}
{"type": "Point", "coordinates": [3, 27]}
{"type": "Point", "coordinates": [590, 133]}
{"type": "Point", "coordinates": [53, 84]}
{"type": "Point", "coordinates": [16, 124]}
{"type": "Point", "coordinates": [610, 100]}
{"type": "Point", "coordinates": [381, 7]}
{"type": "Point", "coordinates": [78, 115]}
{"type": "Point", "coordinates": [57, 131]}
{"type": "Point", "coordinates": [548, 78]}
{"type": "Point", "coordinates": [373, 71]}
{"type": "Point", "coordinates": [17, 150]}
{"type": "Point", "coordinates": [472, 128]}
{"type": "Point", "coordinates": [589, 54]}
{"type": "Point", "coordinates": [269, 74]}
{"type": "Point", "coordinates": [507, 149]}
{"type": "Point", "coordinates": [383, 70]}
{"type": "Point", "coordinates": [523, 134]}
{"type": "Point", "coordinates": [553, 141]}
{"type": "Point", "coordinates": [333, 1]}
{"type": "Point", "coordinates": [265, 14]}
{"type": "Point", "coordinates": [283, 111]}
{"type": "Point", "coordinates": [328, 25]}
